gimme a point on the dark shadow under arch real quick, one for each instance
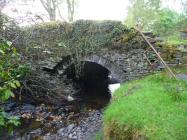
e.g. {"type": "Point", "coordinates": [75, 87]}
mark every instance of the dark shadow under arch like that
{"type": "Point", "coordinates": [93, 83]}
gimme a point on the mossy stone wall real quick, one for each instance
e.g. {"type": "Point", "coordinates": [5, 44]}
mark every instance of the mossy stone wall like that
{"type": "Point", "coordinates": [110, 39]}
{"type": "Point", "coordinates": [39, 46]}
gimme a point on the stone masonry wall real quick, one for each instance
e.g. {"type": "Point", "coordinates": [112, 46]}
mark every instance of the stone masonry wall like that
{"type": "Point", "coordinates": [114, 41]}
{"type": "Point", "coordinates": [49, 45]}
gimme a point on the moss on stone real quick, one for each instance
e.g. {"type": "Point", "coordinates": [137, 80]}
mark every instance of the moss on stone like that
{"type": "Point", "coordinates": [82, 33]}
{"type": "Point", "coordinates": [168, 51]}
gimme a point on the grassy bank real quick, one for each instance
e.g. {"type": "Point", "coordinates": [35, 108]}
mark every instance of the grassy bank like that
{"type": "Point", "coordinates": [153, 108]}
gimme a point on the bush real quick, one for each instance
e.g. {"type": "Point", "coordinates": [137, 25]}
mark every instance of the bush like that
{"type": "Point", "coordinates": [11, 72]}
{"type": "Point", "coordinates": [166, 21]}
{"type": "Point", "coordinates": [153, 108]}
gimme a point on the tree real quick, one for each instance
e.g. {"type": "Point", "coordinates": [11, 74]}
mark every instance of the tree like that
{"type": "Point", "coordinates": [167, 20]}
{"type": "Point", "coordinates": [71, 9]}
{"type": "Point", "coordinates": [143, 13]}
{"type": "Point", "coordinates": [53, 6]}
{"type": "Point", "coordinates": [63, 9]}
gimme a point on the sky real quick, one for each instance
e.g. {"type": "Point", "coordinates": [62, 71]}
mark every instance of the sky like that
{"type": "Point", "coordinates": [86, 9]}
{"type": "Point", "coordinates": [103, 9]}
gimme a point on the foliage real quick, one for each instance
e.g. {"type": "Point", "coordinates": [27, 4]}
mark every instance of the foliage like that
{"type": "Point", "coordinates": [149, 15]}
{"type": "Point", "coordinates": [3, 20]}
{"type": "Point", "coordinates": [11, 71]}
{"type": "Point", "coordinates": [166, 21]}
{"type": "Point", "coordinates": [175, 40]}
{"type": "Point", "coordinates": [182, 25]}
{"type": "Point", "coordinates": [143, 13]}
{"type": "Point", "coordinates": [172, 35]}
{"type": "Point", "coordinates": [98, 136]}
{"type": "Point", "coordinates": [7, 121]}
{"type": "Point", "coordinates": [9, 75]}
{"type": "Point", "coordinates": [180, 70]}
{"type": "Point", "coordinates": [150, 108]}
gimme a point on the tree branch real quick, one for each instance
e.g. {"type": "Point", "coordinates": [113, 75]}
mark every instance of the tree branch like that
{"type": "Point", "coordinates": [46, 7]}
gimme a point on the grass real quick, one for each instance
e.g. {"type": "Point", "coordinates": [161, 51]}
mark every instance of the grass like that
{"type": "Point", "coordinates": [179, 70]}
{"type": "Point", "coordinates": [175, 40]}
{"type": "Point", "coordinates": [153, 108]}
{"type": "Point", "coordinates": [98, 135]}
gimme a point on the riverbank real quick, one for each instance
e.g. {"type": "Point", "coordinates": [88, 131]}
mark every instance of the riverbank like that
{"type": "Point", "coordinates": [150, 108]}
{"type": "Point", "coordinates": [75, 121]}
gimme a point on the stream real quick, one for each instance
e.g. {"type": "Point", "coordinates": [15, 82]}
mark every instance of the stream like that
{"type": "Point", "coordinates": [80, 119]}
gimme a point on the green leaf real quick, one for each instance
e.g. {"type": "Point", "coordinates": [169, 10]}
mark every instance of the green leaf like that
{"type": "Point", "coordinates": [7, 94]}
{"type": "Point", "coordinates": [14, 50]}
{"type": "Point", "coordinates": [1, 51]}
{"type": "Point", "coordinates": [10, 130]}
{"type": "Point", "coordinates": [2, 120]}
{"type": "Point", "coordinates": [62, 45]}
{"type": "Point", "coordinates": [9, 43]}
{"type": "Point", "coordinates": [13, 85]}
{"type": "Point", "coordinates": [14, 120]}
{"type": "Point", "coordinates": [17, 83]}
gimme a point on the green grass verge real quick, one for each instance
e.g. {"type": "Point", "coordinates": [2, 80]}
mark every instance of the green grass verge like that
{"type": "Point", "coordinates": [179, 70]}
{"type": "Point", "coordinates": [173, 40]}
{"type": "Point", "coordinates": [98, 136]}
{"type": "Point", "coordinates": [153, 108]}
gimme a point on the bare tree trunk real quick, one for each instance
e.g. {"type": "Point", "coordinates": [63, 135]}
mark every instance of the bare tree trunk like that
{"type": "Point", "coordinates": [52, 15]}
{"type": "Point", "coordinates": [71, 10]}
{"type": "Point", "coordinates": [50, 6]}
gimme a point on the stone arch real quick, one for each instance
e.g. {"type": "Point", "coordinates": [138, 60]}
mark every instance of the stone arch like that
{"type": "Point", "coordinates": [115, 71]}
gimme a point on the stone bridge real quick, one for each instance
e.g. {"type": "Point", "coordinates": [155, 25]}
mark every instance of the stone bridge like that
{"type": "Point", "coordinates": [122, 65]}
{"type": "Point", "coordinates": [119, 49]}
{"type": "Point", "coordinates": [120, 53]}
{"type": "Point", "coordinates": [114, 69]}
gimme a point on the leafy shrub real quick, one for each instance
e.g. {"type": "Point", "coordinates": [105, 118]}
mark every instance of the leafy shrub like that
{"type": "Point", "coordinates": [166, 21]}
{"type": "Point", "coordinates": [8, 57]}
{"type": "Point", "coordinates": [10, 73]}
